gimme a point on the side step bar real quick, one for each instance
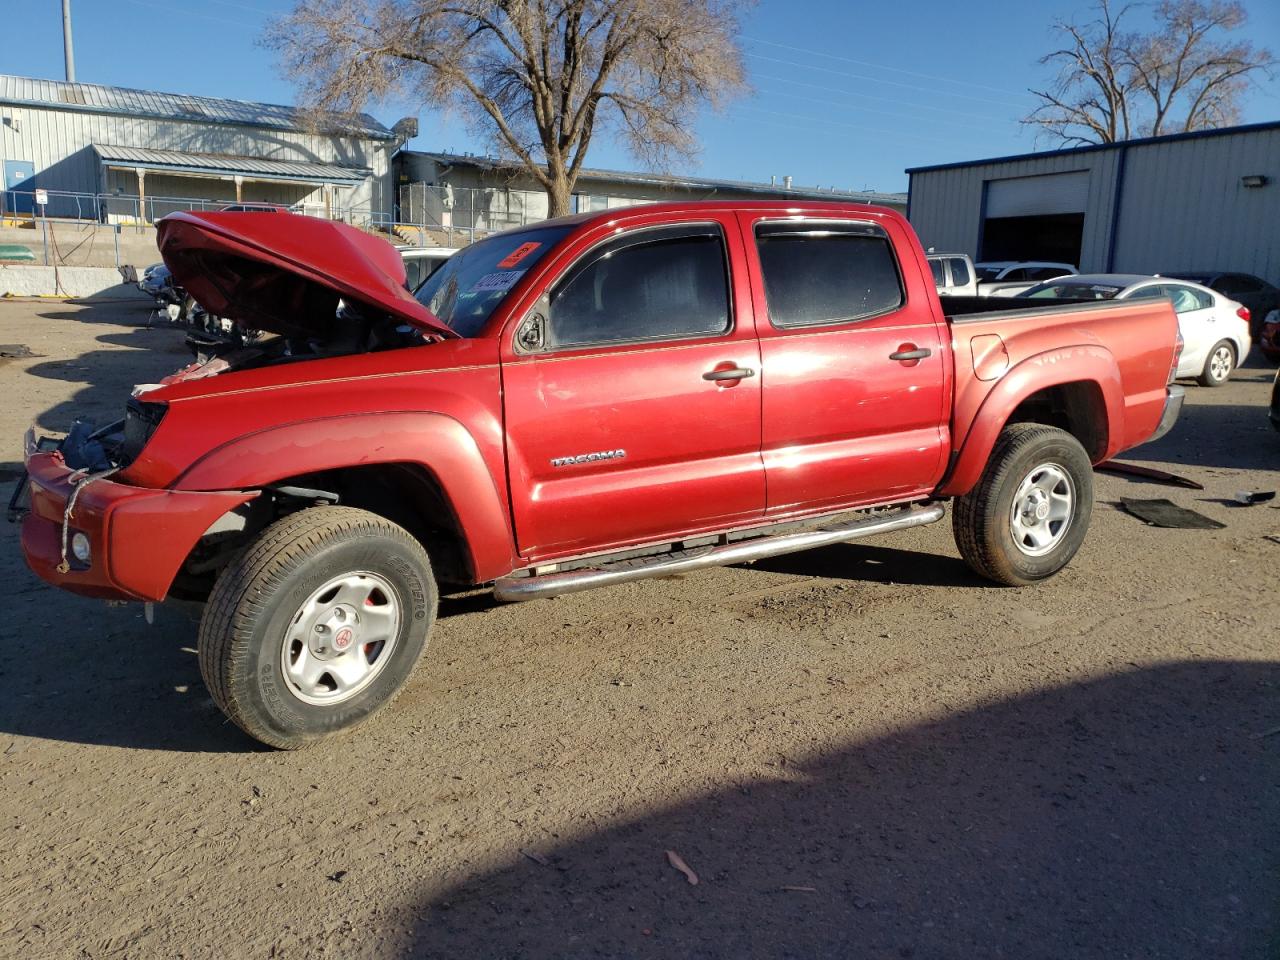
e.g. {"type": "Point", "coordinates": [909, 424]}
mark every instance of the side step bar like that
{"type": "Point", "coordinates": [743, 551]}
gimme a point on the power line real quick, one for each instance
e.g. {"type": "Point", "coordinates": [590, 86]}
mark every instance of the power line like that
{"type": "Point", "coordinates": [952, 111]}
{"type": "Point", "coordinates": [892, 83]}
{"type": "Point", "coordinates": [878, 66]}
{"type": "Point", "coordinates": [968, 124]}
{"type": "Point", "coordinates": [825, 121]}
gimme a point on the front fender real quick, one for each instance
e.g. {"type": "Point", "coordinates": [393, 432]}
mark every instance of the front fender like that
{"type": "Point", "coordinates": [435, 442]}
{"type": "Point", "coordinates": [1087, 363]}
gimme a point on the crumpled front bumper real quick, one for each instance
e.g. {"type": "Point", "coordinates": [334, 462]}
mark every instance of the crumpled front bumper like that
{"type": "Point", "coordinates": [138, 537]}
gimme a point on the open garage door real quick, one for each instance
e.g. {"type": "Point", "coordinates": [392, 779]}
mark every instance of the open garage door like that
{"type": "Point", "coordinates": [1035, 218]}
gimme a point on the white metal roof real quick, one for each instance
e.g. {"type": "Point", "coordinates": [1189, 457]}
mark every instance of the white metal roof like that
{"type": "Point", "coordinates": [97, 98]}
{"type": "Point", "coordinates": [643, 178]}
{"type": "Point", "coordinates": [175, 161]}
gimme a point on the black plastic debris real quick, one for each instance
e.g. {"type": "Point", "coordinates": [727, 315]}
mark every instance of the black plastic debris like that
{"type": "Point", "coordinates": [1166, 513]}
{"type": "Point", "coordinates": [1148, 473]}
{"type": "Point", "coordinates": [1249, 497]}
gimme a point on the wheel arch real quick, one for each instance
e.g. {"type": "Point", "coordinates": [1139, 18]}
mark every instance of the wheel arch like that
{"type": "Point", "coordinates": [423, 471]}
{"type": "Point", "coordinates": [1083, 395]}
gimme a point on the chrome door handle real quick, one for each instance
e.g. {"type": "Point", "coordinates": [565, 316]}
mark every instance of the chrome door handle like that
{"type": "Point", "coordinates": [733, 373]}
{"type": "Point", "coordinates": [918, 354]}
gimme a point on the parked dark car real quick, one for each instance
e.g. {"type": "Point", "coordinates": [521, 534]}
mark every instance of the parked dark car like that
{"type": "Point", "coordinates": [1275, 402]}
{"type": "Point", "coordinates": [1254, 292]}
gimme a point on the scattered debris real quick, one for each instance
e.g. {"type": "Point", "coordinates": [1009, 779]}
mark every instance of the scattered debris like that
{"type": "Point", "coordinates": [1265, 733]}
{"type": "Point", "coordinates": [1166, 513]}
{"type": "Point", "coordinates": [15, 351]}
{"type": "Point", "coordinates": [1251, 497]}
{"type": "Point", "coordinates": [675, 860]}
{"type": "Point", "coordinates": [1273, 537]}
{"type": "Point", "coordinates": [535, 857]}
{"type": "Point", "coordinates": [791, 889]}
{"type": "Point", "coordinates": [1148, 473]}
{"type": "Point", "coordinates": [337, 877]}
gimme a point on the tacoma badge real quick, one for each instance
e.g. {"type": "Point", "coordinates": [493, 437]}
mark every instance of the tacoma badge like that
{"type": "Point", "coordinates": [588, 458]}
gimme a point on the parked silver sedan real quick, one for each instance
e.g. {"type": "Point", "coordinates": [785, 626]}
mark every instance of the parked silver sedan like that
{"type": "Point", "coordinates": [1215, 329]}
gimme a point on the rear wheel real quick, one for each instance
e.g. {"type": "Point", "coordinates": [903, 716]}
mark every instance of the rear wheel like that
{"type": "Point", "coordinates": [317, 625]}
{"type": "Point", "coordinates": [1218, 365]}
{"type": "Point", "coordinates": [1028, 514]}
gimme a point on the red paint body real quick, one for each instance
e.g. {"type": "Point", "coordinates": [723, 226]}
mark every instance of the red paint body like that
{"type": "Point", "coordinates": [829, 422]}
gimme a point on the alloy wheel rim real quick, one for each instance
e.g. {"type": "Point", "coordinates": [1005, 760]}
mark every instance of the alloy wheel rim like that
{"type": "Point", "coordinates": [340, 638]}
{"type": "Point", "coordinates": [1220, 363]}
{"type": "Point", "coordinates": [1042, 509]}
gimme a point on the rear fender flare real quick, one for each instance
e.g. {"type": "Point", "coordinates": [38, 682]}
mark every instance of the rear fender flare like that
{"type": "Point", "coordinates": [437, 443]}
{"type": "Point", "coordinates": [1087, 363]}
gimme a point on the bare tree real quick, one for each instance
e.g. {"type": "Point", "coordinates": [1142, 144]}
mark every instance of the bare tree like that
{"type": "Point", "coordinates": [540, 77]}
{"type": "Point", "coordinates": [1115, 83]}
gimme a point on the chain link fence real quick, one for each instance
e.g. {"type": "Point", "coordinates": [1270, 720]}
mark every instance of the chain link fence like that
{"type": "Point", "coordinates": [113, 230]}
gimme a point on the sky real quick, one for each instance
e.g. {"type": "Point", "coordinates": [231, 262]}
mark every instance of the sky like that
{"type": "Point", "coordinates": [844, 94]}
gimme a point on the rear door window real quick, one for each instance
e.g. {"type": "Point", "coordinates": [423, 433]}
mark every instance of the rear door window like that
{"type": "Point", "coordinates": [664, 284]}
{"type": "Point", "coordinates": [1186, 299]}
{"type": "Point", "coordinates": [826, 273]}
{"type": "Point", "coordinates": [959, 272]}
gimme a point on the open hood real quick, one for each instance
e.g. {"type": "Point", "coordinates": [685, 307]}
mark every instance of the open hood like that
{"type": "Point", "coordinates": [285, 273]}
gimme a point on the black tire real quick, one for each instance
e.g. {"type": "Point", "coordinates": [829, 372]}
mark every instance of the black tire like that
{"type": "Point", "coordinates": [257, 600]}
{"type": "Point", "coordinates": [1207, 377]}
{"type": "Point", "coordinates": [982, 520]}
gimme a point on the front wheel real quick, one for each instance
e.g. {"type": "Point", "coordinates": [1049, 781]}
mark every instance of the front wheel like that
{"type": "Point", "coordinates": [1028, 514]}
{"type": "Point", "coordinates": [1218, 365]}
{"type": "Point", "coordinates": [317, 625]}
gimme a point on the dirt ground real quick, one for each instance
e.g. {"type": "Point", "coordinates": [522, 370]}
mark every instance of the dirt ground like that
{"type": "Point", "coordinates": [862, 751]}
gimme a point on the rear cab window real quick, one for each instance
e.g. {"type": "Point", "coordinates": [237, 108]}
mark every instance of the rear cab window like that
{"type": "Point", "coordinates": [819, 273]}
{"type": "Point", "coordinates": [939, 275]}
{"type": "Point", "coordinates": [959, 272]}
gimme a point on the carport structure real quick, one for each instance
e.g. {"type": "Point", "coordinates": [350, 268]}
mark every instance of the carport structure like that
{"type": "Point", "coordinates": [222, 177]}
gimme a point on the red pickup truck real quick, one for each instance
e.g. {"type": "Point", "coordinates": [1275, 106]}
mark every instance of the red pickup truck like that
{"type": "Point", "coordinates": [592, 400]}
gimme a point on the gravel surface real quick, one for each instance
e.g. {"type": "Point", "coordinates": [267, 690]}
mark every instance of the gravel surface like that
{"type": "Point", "coordinates": [861, 751]}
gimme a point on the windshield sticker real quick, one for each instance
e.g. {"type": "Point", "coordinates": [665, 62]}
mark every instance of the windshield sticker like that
{"type": "Point", "coordinates": [518, 254]}
{"type": "Point", "coordinates": [496, 281]}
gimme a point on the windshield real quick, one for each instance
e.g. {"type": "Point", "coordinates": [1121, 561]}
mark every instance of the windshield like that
{"type": "Point", "coordinates": [466, 290]}
{"type": "Point", "coordinates": [1069, 290]}
{"type": "Point", "coordinates": [987, 274]}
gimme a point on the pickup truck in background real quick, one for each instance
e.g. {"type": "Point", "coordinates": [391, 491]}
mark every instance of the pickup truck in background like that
{"type": "Point", "coordinates": [953, 274]}
{"type": "Point", "coordinates": [1006, 278]}
{"type": "Point", "coordinates": [621, 394]}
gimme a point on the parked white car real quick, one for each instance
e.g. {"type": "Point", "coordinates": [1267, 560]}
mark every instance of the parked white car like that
{"type": "Point", "coordinates": [1215, 328]}
{"type": "Point", "coordinates": [1008, 278]}
{"type": "Point", "coordinates": [422, 262]}
{"type": "Point", "coordinates": [953, 274]}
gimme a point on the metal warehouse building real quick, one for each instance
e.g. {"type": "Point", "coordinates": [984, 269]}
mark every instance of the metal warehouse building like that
{"type": "Point", "coordinates": [110, 153]}
{"type": "Point", "coordinates": [1203, 201]}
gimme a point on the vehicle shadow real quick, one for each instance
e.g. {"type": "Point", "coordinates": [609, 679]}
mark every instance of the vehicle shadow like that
{"type": "Point", "coordinates": [107, 376]}
{"type": "Point", "coordinates": [1233, 436]}
{"type": "Point", "coordinates": [76, 671]}
{"type": "Point", "coordinates": [873, 564]}
{"type": "Point", "coordinates": [1129, 816]}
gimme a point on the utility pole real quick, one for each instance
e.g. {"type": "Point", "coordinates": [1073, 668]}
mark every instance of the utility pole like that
{"type": "Point", "coordinates": [67, 50]}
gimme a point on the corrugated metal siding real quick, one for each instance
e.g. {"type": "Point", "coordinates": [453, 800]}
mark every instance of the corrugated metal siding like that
{"type": "Point", "coordinates": [1184, 207]}
{"type": "Point", "coordinates": [93, 97]}
{"type": "Point", "coordinates": [1182, 204]}
{"type": "Point", "coordinates": [946, 205]}
{"type": "Point", "coordinates": [59, 143]}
